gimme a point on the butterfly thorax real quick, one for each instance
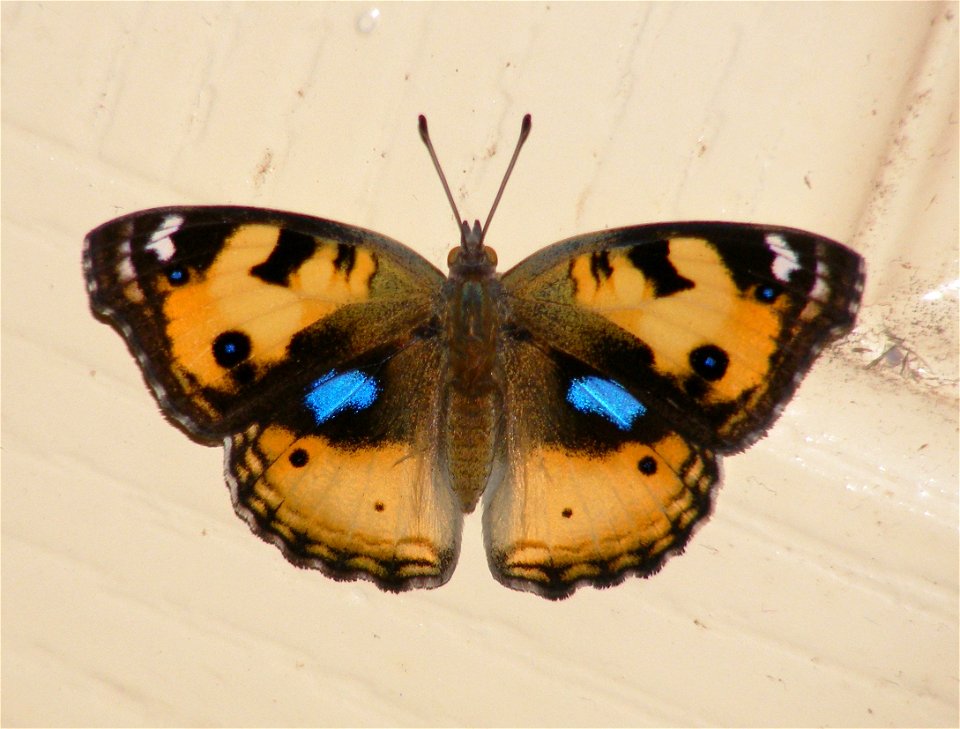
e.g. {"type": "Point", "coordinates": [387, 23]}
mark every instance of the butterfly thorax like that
{"type": "Point", "coordinates": [473, 299]}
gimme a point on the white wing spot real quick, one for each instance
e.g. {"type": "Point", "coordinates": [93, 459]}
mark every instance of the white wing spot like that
{"type": "Point", "coordinates": [786, 261]}
{"type": "Point", "coordinates": [125, 272]}
{"type": "Point", "coordinates": [160, 243]}
{"type": "Point", "coordinates": [821, 289]}
{"type": "Point", "coordinates": [170, 225]}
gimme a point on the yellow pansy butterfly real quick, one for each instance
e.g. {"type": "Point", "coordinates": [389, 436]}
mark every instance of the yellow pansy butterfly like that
{"type": "Point", "coordinates": [366, 401]}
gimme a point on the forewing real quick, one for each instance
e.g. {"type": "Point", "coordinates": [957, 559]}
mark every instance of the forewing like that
{"type": "Point", "coordinates": [223, 306]}
{"type": "Point", "coordinates": [711, 324]}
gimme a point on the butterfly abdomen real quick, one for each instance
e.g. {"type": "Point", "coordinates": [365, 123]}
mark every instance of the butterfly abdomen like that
{"type": "Point", "coordinates": [469, 443]}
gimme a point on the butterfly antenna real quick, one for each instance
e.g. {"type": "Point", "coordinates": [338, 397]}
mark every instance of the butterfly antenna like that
{"type": "Point", "coordinates": [425, 136]}
{"type": "Point", "coordinates": [524, 133]}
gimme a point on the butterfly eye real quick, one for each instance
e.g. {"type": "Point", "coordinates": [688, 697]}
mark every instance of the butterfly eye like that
{"type": "Point", "coordinates": [231, 348]}
{"type": "Point", "coordinates": [452, 256]}
{"type": "Point", "coordinates": [709, 361]}
{"type": "Point", "coordinates": [491, 255]}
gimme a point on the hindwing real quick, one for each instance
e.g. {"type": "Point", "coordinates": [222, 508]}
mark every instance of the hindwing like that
{"type": "Point", "coordinates": [598, 484]}
{"type": "Point", "coordinates": [344, 477]}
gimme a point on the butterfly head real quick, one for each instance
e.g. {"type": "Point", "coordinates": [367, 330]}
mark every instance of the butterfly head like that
{"type": "Point", "coordinates": [472, 256]}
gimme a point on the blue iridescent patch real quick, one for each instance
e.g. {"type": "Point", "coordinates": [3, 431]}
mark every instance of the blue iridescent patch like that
{"type": "Point", "coordinates": [605, 398]}
{"type": "Point", "coordinates": [335, 392]}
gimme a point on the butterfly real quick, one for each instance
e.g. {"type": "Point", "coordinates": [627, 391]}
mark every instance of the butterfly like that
{"type": "Point", "coordinates": [366, 401]}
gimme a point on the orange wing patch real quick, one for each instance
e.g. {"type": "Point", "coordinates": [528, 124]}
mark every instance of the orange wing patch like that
{"type": "Point", "coordinates": [714, 311]}
{"type": "Point", "coordinates": [226, 297]}
{"type": "Point", "coordinates": [561, 517]}
{"type": "Point", "coordinates": [376, 510]}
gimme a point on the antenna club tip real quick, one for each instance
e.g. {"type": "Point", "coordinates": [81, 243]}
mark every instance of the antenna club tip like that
{"type": "Point", "coordinates": [525, 127]}
{"type": "Point", "coordinates": [422, 125]}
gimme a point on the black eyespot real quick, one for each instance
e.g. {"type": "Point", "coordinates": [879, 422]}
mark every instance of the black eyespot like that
{"type": "Point", "coordinates": [231, 348]}
{"type": "Point", "coordinates": [379, 506]}
{"type": "Point", "coordinates": [709, 361]}
{"type": "Point", "coordinates": [299, 458]}
{"type": "Point", "coordinates": [567, 513]}
{"type": "Point", "coordinates": [767, 293]}
{"type": "Point", "coordinates": [177, 275]}
{"type": "Point", "coordinates": [647, 465]}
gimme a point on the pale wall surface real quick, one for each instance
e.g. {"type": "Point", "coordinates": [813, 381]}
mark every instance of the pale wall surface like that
{"type": "Point", "coordinates": [824, 589]}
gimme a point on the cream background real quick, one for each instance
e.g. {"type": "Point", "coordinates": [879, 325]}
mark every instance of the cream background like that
{"type": "Point", "coordinates": [824, 589]}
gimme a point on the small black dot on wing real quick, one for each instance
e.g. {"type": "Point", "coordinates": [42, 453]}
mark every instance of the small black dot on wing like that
{"type": "Point", "coordinates": [647, 465]}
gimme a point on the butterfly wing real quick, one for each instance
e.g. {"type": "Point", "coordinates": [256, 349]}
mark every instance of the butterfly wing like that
{"type": "Point", "coordinates": [220, 304]}
{"type": "Point", "coordinates": [597, 484]}
{"type": "Point", "coordinates": [669, 343]}
{"type": "Point", "coordinates": [345, 478]}
{"type": "Point", "coordinates": [278, 334]}
{"type": "Point", "coordinates": [714, 324]}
